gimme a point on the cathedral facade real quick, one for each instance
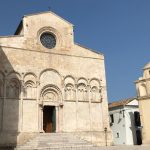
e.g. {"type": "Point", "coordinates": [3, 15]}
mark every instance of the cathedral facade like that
{"type": "Point", "coordinates": [50, 84]}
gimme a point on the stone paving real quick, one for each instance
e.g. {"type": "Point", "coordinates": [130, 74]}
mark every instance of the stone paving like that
{"type": "Point", "coordinates": [123, 148]}
{"type": "Point", "coordinates": [143, 147]}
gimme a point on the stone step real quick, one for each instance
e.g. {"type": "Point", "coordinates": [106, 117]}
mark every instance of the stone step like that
{"type": "Point", "coordinates": [59, 141]}
{"type": "Point", "coordinates": [58, 148]}
{"type": "Point", "coordinates": [73, 143]}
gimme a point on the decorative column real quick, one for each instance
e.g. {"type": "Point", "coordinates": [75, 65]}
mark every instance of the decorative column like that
{"type": "Point", "coordinates": [60, 108]}
{"type": "Point", "coordinates": [40, 118]}
{"type": "Point", "coordinates": [76, 98]}
{"type": "Point", "coordinates": [39, 108]}
{"type": "Point", "coordinates": [57, 119]}
{"type": "Point", "coordinates": [88, 96]}
{"type": "Point", "coordinates": [21, 106]}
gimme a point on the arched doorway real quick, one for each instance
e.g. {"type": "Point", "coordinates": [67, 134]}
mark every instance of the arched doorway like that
{"type": "Point", "coordinates": [50, 109]}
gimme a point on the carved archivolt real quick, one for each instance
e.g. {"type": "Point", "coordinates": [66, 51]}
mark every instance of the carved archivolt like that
{"type": "Point", "coordinates": [30, 81]}
{"type": "Point", "coordinates": [51, 93]}
{"type": "Point", "coordinates": [82, 92]}
{"type": "Point", "coordinates": [95, 91]}
{"type": "Point", "coordinates": [51, 85]}
{"type": "Point", "coordinates": [29, 89]}
{"type": "Point", "coordinates": [13, 88]}
{"type": "Point", "coordinates": [82, 81]}
{"type": "Point", "coordinates": [13, 85]}
{"type": "Point", "coordinates": [82, 89]}
{"type": "Point", "coordinates": [70, 92]}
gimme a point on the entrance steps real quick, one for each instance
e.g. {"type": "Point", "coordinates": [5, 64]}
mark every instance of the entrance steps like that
{"type": "Point", "coordinates": [56, 141]}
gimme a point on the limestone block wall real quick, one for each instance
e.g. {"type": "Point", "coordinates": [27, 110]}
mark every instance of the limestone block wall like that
{"type": "Point", "coordinates": [68, 76]}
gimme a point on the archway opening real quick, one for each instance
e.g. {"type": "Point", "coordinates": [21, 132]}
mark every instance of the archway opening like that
{"type": "Point", "coordinates": [49, 119]}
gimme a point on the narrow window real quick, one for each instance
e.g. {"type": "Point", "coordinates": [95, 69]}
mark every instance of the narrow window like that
{"type": "Point", "coordinates": [137, 118]}
{"type": "Point", "coordinates": [112, 118]}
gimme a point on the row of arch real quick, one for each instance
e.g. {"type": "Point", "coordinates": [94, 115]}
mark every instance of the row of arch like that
{"type": "Point", "coordinates": [74, 88]}
{"type": "Point", "coordinates": [82, 90]}
{"type": "Point", "coordinates": [34, 77]}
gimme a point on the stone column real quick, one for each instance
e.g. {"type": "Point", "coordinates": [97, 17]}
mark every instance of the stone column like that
{"type": "Point", "coordinates": [40, 118]}
{"type": "Point", "coordinates": [88, 96]}
{"type": "Point", "coordinates": [57, 119]}
{"type": "Point", "coordinates": [39, 107]}
{"type": "Point", "coordinates": [21, 107]}
{"type": "Point", "coordinates": [76, 98]}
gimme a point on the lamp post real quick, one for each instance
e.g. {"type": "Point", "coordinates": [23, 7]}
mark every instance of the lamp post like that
{"type": "Point", "coordinates": [105, 130]}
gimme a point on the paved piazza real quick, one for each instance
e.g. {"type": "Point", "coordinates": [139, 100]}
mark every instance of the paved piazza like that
{"type": "Point", "coordinates": [100, 148]}
{"type": "Point", "coordinates": [124, 148]}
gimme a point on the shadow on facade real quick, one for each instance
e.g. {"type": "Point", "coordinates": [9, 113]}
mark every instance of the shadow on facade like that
{"type": "Point", "coordinates": [10, 93]}
{"type": "Point", "coordinates": [135, 124]}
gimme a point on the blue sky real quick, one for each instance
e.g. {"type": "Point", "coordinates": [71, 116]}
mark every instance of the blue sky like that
{"type": "Point", "coordinates": [120, 29]}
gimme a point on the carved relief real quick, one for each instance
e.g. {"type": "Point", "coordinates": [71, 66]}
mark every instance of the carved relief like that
{"type": "Point", "coordinates": [13, 88]}
{"type": "Point", "coordinates": [50, 96]}
{"type": "Point", "coordinates": [69, 92]}
{"type": "Point", "coordinates": [95, 91]}
{"type": "Point", "coordinates": [82, 92]}
{"type": "Point", "coordinates": [50, 93]}
{"type": "Point", "coordinates": [82, 89]}
{"type": "Point", "coordinates": [95, 94]}
{"type": "Point", "coordinates": [29, 91]}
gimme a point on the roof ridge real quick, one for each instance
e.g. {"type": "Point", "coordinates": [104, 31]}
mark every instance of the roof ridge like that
{"type": "Point", "coordinates": [48, 12]}
{"type": "Point", "coordinates": [95, 51]}
{"type": "Point", "coordinates": [121, 102]}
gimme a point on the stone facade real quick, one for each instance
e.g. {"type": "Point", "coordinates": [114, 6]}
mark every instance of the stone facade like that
{"type": "Point", "coordinates": [67, 78]}
{"type": "Point", "coordinates": [143, 91]}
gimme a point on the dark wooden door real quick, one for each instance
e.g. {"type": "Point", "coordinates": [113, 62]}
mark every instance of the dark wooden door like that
{"type": "Point", "coordinates": [49, 119]}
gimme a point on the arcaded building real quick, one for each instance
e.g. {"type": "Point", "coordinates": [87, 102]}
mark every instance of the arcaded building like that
{"type": "Point", "coordinates": [50, 84]}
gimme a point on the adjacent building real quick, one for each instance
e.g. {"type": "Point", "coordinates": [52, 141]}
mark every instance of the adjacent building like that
{"type": "Point", "coordinates": [125, 122]}
{"type": "Point", "coordinates": [50, 84]}
{"type": "Point", "coordinates": [143, 92]}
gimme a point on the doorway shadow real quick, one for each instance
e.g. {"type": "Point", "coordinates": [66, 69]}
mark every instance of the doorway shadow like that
{"type": "Point", "coordinates": [49, 119]}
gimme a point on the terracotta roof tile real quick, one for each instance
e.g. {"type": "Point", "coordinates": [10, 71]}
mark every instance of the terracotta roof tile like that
{"type": "Point", "coordinates": [120, 102]}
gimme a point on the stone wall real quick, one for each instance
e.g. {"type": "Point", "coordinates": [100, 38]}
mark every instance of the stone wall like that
{"type": "Point", "coordinates": [69, 77]}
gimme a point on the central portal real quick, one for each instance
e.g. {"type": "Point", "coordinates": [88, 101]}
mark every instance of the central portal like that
{"type": "Point", "coordinates": [49, 119]}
